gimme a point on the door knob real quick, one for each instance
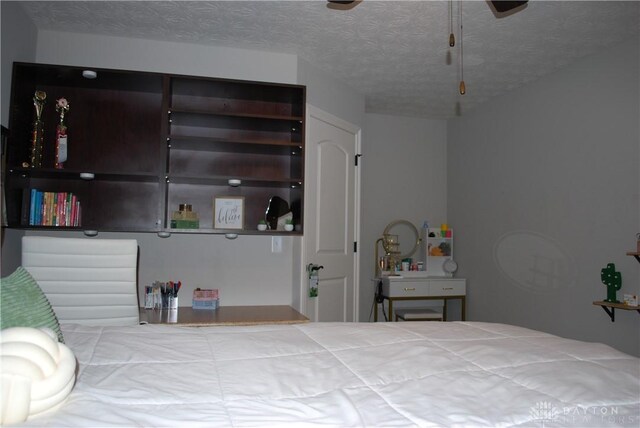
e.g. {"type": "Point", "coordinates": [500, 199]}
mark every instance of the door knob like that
{"type": "Point", "coordinates": [311, 268]}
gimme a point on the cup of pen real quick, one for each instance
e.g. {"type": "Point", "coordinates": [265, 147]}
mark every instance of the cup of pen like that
{"type": "Point", "coordinates": [165, 300]}
{"type": "Point", "coordinates": [174, 287]}
{"type": "Point", "coordinates": [169, 292]}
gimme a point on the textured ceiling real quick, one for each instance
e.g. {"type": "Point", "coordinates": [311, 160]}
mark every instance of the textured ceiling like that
{"type": "Point", "coordinates": [396, 53]}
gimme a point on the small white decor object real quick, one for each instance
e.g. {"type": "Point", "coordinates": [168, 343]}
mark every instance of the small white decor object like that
{"type": "Point", "coordinates": [262, 227]}
{"type": "Point", "coordinates": [288, 227]}
{"type": "Point", "coordinates": [234, 182]}
{"type": "Point", "coordinates": [89, 74]}
{"type": "Point", "coordinates": [450, 266]}
{"type": "Point", "coordinates": [630, 299]}
{"type": "Point", "coordinates": [38, 373]}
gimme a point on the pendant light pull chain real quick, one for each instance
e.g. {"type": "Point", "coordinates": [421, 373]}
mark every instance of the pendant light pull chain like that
{"type": "Point", "coordinates": [452, 37]}
{"type": "Point", "coordinates": [462, 87]}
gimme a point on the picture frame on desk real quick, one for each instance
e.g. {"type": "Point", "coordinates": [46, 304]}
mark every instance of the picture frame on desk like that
{"type": "Point", "coordinates": [228, 212]}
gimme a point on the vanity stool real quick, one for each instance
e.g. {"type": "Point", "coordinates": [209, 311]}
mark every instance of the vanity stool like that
{"type": "Point", "coordinates": [419, 314]}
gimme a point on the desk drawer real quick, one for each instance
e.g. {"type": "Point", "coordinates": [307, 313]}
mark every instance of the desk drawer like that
{"type": "Point", "coordinates": [455, 287]}
{"type": "Point", "coordinates": [405, 288]}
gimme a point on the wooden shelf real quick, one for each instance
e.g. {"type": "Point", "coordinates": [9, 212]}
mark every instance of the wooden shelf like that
{"type": "Point", "coordinates": [634, 254]}
{"type": "Point", "coordinates": [233, 114]}
{"type": "Point", "coordinates": [246, 181]}
{"type": "Point", "coordinates": [238, 145]}
{"type": "Point", "coordinates": [69, 174]}
{"type": "Point", "coordinates": [210, 231]}
{"type": "Point", "coordinates": [610, 308]}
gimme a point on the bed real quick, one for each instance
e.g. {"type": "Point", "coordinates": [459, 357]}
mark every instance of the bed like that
{"type": "Point", "coordinates": [453, 374]}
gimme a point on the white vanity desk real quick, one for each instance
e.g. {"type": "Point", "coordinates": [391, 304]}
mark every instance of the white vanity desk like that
{"type": "Point", "coordinates": [416, 286]}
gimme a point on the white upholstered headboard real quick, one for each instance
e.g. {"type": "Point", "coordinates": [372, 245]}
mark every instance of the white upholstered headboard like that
{"type": "Point", "coordinates": [87, 281]}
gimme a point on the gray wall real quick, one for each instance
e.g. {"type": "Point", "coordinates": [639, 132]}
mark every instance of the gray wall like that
{"type": "Point", "coordinates": [56, 47]}
{"type": "Point", "coordinates": [404, 177]}
{"type": "Point", "coordinates": [19, 37]}
{"type": "Point", "coordinates": [543, 190]}
{"type": "Point", "coordinates": [330, 94]}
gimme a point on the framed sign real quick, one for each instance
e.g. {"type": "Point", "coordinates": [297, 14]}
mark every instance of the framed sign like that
{"type": "Point", "coordinates": [228, 212]}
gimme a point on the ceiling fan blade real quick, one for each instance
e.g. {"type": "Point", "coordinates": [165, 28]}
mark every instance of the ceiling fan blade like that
{"type": "Point", "coordinates": [505, 6]}
{"type": "Point", "coordinates": [342, 4]}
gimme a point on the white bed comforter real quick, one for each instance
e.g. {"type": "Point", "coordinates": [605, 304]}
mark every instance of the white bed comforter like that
{"type": "Point", "coordinates": [345, 374]}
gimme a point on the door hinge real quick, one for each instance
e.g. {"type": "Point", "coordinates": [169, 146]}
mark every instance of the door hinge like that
{"type": "Point", "coordinates": [355, 247]}
{"type": "Point", "coordinates": [359, 155]}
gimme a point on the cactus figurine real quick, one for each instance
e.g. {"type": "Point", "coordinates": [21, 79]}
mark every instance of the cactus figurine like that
{"type": "Point", "coordinates": [613, 281]}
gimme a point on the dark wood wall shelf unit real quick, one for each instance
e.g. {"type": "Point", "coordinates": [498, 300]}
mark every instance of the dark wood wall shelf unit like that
{"type": "Point", "coordinates": [154, 141]}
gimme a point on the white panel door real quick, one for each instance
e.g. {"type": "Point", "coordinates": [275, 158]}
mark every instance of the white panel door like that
{"type": "Point", "coordinates": [331, 218]}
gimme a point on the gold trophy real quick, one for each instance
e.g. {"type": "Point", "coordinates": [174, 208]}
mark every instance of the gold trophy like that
{"type": "Point", "coordinates": [37, 139]}
{"type": "Point", "coordinates": [62, 107]}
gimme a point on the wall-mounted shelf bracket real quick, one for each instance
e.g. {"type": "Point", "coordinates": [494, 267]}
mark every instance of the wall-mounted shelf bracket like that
{"type": "Point", "coordinates": [610, 308]}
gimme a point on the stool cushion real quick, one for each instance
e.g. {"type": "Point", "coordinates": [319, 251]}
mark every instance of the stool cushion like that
{"type": "Point", "coordinates": [418, 313]}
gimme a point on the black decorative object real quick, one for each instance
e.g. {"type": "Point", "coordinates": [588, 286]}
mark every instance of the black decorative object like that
{"type": "Point", "coordinates": [277, 207]}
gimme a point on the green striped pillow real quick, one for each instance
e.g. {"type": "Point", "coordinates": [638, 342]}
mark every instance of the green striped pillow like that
{"type": "Point", "coordinates": [23, 304]}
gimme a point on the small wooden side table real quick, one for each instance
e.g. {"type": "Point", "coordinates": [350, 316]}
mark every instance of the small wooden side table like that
{"type": "Point", "coordinates": [224, 315]}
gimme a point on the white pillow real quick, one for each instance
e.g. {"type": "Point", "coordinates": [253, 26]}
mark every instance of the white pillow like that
{"type": "Point", "coordinates": [37, 372]}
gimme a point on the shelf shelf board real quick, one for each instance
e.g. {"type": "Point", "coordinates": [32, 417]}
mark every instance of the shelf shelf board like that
{"type": "Point", "coordinates": [123, 229]}
{"type": "Point", "coordinates": [298, 119]}
{"type": "Point", "coordinates": [616, 305]}
{"type": "Point", "coordinates": [610, 308]}
{"type": "Point", "coordinates": [38, 227]}
{"type": "Point", "coordinates": [270, 146]}
{"type": "Point", "coordinates": [69, 174]}
{"type": "Point", "coordinates": [246, 181]}
{"type": "Point", "coordinates": [236, 231]}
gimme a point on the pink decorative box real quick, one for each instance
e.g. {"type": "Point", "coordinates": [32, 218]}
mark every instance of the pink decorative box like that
{"type": "Point", "coordinates": [205, 299]}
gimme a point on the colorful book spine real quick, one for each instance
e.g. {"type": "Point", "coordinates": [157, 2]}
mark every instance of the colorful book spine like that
{"type": "Point", "coordinates": [59, 209]}
{"type": "Point", "coordinates": [32, 208]}
{"type": "Point", "coordinates": [38, 208]}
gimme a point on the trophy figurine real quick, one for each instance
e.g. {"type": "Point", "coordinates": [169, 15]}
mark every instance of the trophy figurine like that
{"type": "Point", "coordinates": [62, 107]}
{"type": "Point", "coordinates": [37, 140]}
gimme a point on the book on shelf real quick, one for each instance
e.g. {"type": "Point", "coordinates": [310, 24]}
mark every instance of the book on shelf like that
{"type": "Point", "coordinates": [60, 209]}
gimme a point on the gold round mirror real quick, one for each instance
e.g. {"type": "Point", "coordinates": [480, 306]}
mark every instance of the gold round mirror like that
{"type": "Point", "coordinates": [408, 238]}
